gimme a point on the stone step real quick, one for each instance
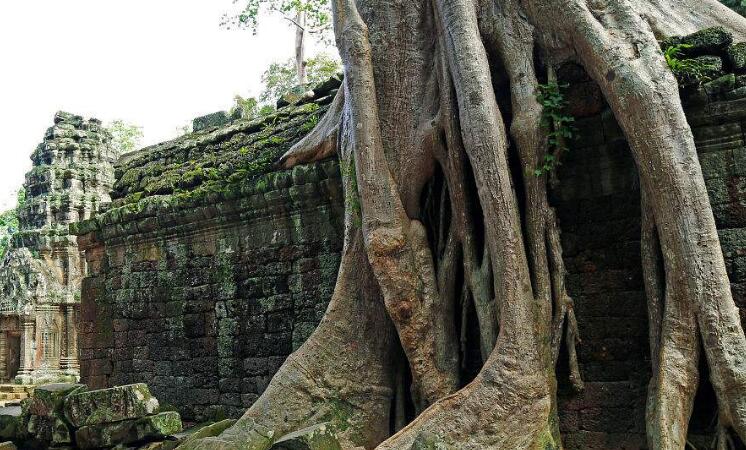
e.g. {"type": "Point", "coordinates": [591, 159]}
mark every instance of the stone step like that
{"type": "Point", "coordinates": [6, 396]}
{"type": "Point", "coordinates": [13, 388]}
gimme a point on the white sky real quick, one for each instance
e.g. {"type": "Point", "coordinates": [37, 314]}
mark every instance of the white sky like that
{"type": "Point", "coordinates": [154, 63]}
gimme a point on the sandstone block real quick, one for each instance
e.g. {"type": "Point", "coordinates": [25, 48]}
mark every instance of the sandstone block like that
{"type": "Point", "coordinates": [110, 405]}
{"type": "Point", "coordinates": [8, 426]}
{"type": "Point", "coordinates": [129, 431]}
{"type": "Point", "coordinates": [737, 57]}
{"type": "Point", "coordinates": [48, 399]}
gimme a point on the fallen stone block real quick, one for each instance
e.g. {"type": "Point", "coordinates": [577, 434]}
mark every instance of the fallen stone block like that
{"type": "Point", "coordinates": [8, 427]}
{"type": "Point", "coordinates": [48, 399]}
{"type": "Point", "coordinates": [110, 405]}
{"type": "Point", "coordinates": [318, 437]}
{"type": "Point", "coordinates": [129, 431]}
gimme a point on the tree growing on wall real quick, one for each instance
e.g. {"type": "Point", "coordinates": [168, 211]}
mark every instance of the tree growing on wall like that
{"type": "Point", "coordinates": [9, 223]}
{"type": "Point", "coordinates": [307, 17]}
{"type": "Point", "coordinates": [433, 220]}
{"type": "Point", "coordinates": [280, 78]}
{"type": "Point", "coordinates": [125, 137]}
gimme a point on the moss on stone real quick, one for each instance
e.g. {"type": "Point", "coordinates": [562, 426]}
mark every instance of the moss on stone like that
{"type": "Point", "coordinates": [737, 57]}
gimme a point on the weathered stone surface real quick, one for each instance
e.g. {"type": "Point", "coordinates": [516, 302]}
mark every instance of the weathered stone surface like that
{"type": "Point", "coordinates": [128, 431]}
{"type": "Point", "coordinates": [319, 437]}
{"type": "Point", "coordinates": [40, 276]}
{"type": "Point", "coordinates": [212, 120]}
{"type": "Point", "coordinates": [737, 57]}
{"type": "Point", "coordinates": [47, 399]}
{"type": "Point", "coordinates": [7, 446]}
{"type": "Point", "coordinates": [709, 41]}
{"type": "Point", "coordinates": [110, 405]}
{"type": "Point", "coordinates": [8, 427]}
{"type": "Point", "coordinates": [326, 87]}
{"type": "Point", "coordinates": [235, 274]}
{"type": "Point", "coordinates": [720, 85]}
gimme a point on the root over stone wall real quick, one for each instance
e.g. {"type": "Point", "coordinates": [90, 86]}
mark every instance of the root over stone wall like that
{"type": "Point", "coordinates": [203, 288]}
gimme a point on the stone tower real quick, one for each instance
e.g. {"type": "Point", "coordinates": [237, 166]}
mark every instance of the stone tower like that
{"type": "Point", "coordinates": [41, 273]}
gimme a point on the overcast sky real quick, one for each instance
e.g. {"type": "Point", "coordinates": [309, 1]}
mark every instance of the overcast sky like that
{"type": "Point", "coordinates": [155, 63]}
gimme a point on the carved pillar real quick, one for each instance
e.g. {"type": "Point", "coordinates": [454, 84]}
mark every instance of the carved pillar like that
{"type": "Point", "coordinates": [28, 323]}
{"type": "Point", "coordinates": [3, 356]}
{"type": "Point", "coordinates": [69, 361]}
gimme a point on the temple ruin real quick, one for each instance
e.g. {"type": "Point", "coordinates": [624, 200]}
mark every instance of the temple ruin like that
{"type": "Point", "coordinates": [41, 273]}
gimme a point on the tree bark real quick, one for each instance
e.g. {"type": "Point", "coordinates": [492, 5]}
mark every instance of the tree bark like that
{"type": "Point", "coordinates": [300, 47]}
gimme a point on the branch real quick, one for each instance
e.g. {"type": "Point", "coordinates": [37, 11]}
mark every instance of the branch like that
{"type": "Point", "coordinates": [295, 22]}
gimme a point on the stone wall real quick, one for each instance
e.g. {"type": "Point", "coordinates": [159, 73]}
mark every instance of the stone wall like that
{"type": "Point", "coordinates": [211, 267]}
{"type": "Point", "coordinates": [598, 203]}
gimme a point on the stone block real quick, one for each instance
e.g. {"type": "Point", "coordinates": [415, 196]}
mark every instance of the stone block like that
{"type": "Point", "coordinates": [708, 41]}
{"type": "Point", "coordinates": [215, 119]}
{"type": "Point", "coordinates": [737, 57]}
{"type": "Point", "coordinates": [110, 405]}
{"type": "Point", "coordinates": [326, 87]}
{"type": "Point", "coordinates": [129, 431]}
{"type": "Point", "coordinates": [48, 399]}
{"type": "Point", "coordinates": [8, 426]}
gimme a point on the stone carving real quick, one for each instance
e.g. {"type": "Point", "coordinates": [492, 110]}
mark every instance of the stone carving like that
{"type": "Point", "coordinates": [40, 275]}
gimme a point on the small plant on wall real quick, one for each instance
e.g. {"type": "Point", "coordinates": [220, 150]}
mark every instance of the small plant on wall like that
{"type": "Point", "coordinates": [556, 122]}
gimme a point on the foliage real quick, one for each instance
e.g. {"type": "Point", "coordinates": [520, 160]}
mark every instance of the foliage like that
{"type": "Point", "coordinates": [559, 126]}
{"type": "Point", "coordinates": [317, 12]}
{"type": "Point", "coordinates": [687, 70]}
{"type": "Point", "coordinates": [250, 108]}
{"type": "Point", "coordinates": [280, 78]}
{"type": "Point", "coordinates": [9, 223]}
{"type": "Point", "coordinates": [310, 124]}
{"type": "Point", "coordinates": [125, 137]}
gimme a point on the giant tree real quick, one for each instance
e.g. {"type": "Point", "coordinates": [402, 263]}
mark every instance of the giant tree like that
{"type": "Point", "coordinates": [433, 219]}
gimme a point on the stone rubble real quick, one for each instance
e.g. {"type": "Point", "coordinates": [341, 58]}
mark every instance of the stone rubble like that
{"type": "Point", "coordinates": [69, 416]}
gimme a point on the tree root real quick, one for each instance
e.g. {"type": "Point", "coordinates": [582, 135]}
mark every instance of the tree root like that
{"type": "Point", "coordinates": [321, 142]}
{"type": "Point", "coordinates": [621, 54]}
{"type": "Point", "coordinates": [342, 375]}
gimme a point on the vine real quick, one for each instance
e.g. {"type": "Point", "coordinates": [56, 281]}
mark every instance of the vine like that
{"type": "Point", "coordinates": [558, 125]}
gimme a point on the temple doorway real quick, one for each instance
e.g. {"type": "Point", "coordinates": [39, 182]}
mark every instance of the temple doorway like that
{"type": "Point", "coordinates": [13, 355]}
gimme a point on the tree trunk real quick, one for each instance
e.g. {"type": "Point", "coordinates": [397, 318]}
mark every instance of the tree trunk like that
{"type": "Point", "coordinates": [300, 47]}
{"type": "Point", "coordinates": [424, 150]}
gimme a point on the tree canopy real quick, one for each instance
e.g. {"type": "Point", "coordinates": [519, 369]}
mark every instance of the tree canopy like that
{"type": "Point", "coordinates": [9, 222]}
{"type": "Point", "coordinates": [279, 78]}
{"type": "Point", "coordinates": [125, 137]}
